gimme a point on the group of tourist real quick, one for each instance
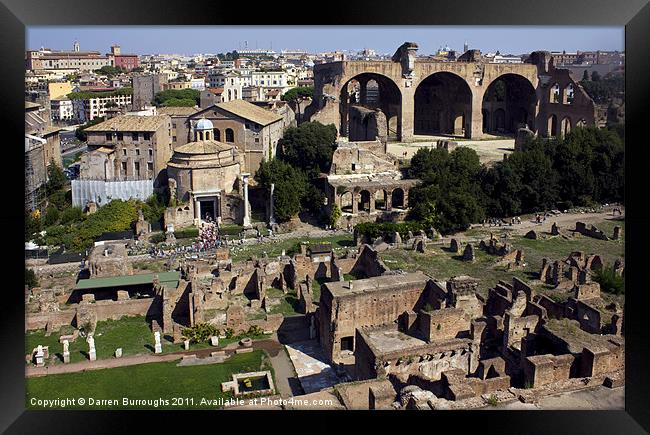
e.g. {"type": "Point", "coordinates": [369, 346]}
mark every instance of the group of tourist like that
{"type": "Point", "coordinates": [496, 222]}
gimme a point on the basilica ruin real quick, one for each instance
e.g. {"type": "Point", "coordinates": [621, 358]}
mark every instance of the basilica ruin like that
{"type": "Point", "coordinates": [410, 97]}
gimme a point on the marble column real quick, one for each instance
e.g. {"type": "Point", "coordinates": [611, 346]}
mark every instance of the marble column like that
{"type": "Point", "coordinates": [197, 210]}
{"type": "Point", "coordinates": [271, 213]}
{"type": "Point", "coordinates": [247, 218]}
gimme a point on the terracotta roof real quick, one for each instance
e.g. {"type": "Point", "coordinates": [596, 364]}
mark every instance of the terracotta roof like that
{"type": "Point", "coordinates": [203, 147]}
{"type": "Point", "coordinates": [216, 91]}
{"type": "Point", "coordinates": [177, 111]}
{"type": "Point", "coordinates": [250, 111]}
{"type": "Point", "coordinates": [131, 123]}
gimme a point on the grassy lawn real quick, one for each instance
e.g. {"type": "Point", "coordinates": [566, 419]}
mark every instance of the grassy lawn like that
{"type": "Point", "coordinates": [163, 381]}
{"type": "Point", "coordinates": [442, 264]}
{"type": "Point", "coordinates": [288, 306]}
{"type": "Point", "coordinates": [132, 334]}
{"type": "Point", "coordinates": [290, 246]}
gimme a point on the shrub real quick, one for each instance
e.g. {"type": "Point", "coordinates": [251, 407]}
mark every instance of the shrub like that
{"type": "Point", "coordinates": [336, 214]}
{"type": "Point", "coordinates": [493, 400]}
{"type": "Point", "coordinates": [30, 278]}
{"type": "Point", "coordinates": [200, 332]}
{"type": "Point", "coordinates": [609, 281]}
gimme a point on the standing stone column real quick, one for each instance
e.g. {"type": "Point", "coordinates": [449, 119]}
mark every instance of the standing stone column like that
{"type": "Point", "coordinates": [92, 353]}
{"type": "Point", "coordinates": [355, 203]}
{"type": "Point", "coordinates": [271, 213]}
{"type": "Point", "coordinates": [407, 111]}
{"type": "Point", "coordinates": [66, 351]}
{"type": "Point", "coordinates": [158, 345]}
{"type": "Point", "coordinates": [197, 210]}
{"type": "Point", "coordinates": [476, 118]}
{"type": "Point", "coordinates": [363, 92]}
{"type": "Point", "coordinates": [247, 218]}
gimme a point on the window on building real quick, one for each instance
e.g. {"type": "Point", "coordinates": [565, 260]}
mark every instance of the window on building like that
{"type": "Point", "coordinates": [120, 136]}
{"type": "Point", "coordinates": [147, 136]}
{"type": "Point", "coordinates": [230, 135]}
{"type": "Point", "coordinates": [135, 136]}
{"type": "Point", "coordinates": [123, 151]}
{"type": "Point", "coordinates": [347, 343]}
{"type": "Point", "coordinates": [109, 136]}
{"type": "Point", "coordinates": [137, 168]}
{"type": "Point", "coordinates": [124, 167]}
{"type": "Point", "coordinates": [257, 140]}
{"type": "Point", "coordinates": [137, 151]}
{"type": "Point", "coordinates": [150, 166]}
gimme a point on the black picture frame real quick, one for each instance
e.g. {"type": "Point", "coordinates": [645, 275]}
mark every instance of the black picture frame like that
{"type": "Point", "coordinates": [15, 15]}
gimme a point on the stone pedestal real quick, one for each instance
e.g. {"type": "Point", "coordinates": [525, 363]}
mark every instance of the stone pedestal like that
{"type": "Point", "coordinates": [66, 357]}
{"type": "Point", "coordinates": [118, 352]}
{"type": "Point", "coordinates": [186, 344]}
{"type": "Point", "coordinates": [214, 340]}
{"type": "Point", "coordinates": [92, 355]}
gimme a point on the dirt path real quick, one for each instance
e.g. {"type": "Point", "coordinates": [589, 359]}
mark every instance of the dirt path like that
{"type": "Point", "coordinates": [565, 221]}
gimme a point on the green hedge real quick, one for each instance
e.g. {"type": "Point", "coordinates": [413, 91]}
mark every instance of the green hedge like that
{"type": "Point", "coordinates": [87, 95]}
{"type": "Point", "coordinates": [187, 233]}
{"type": "Point", "coordinates": [230, 230]}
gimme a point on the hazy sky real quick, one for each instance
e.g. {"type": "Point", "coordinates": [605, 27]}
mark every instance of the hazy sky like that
{"type": "Point", "coordinates": [383, 39]}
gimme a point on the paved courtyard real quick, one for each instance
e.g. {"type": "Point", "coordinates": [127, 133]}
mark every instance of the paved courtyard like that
{"type": "Point", "coordinates": [487, 150]}
{"type": "Point", "coordinates": [313, 372]}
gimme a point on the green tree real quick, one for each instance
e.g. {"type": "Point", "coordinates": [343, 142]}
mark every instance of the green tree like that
{"type": "Point", "coordinates": [336, 215]}
{"type": "Point", "coordinates": [595, 76]}
{"type": "Point", "coordinates": [179, 102]}
{"type": "Point", "coordinates": [71, 215]}
{"type": "Point", "coordinates": [449, 196]}
{"type": "Point", "coordinates": [177, 94]}
{"type": "Point", "coordinates": [290, 187]}
{"type": "Point", "coordinates": [309, 146]}
{"type": "Point", "coordinates": [56, 178]}
{"type": "Point", "coordinates": [30, 278]}
{"type": "Point", "coordinates": [297, 96]}
{"type": "Point", "coordinates": [32, 225]}
{"type": "Point", "coordinates": [110, 71]}
{"type": "Point", "coordinates": [585, 76]}
{"type": "Point", "coordinates": [52, 216]}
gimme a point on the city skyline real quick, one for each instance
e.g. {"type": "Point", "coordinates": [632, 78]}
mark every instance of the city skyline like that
{"type": "Point", "coordinates": [189, 40]}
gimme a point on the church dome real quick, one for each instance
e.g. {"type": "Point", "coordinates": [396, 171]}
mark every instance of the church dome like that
{"type": "Point", "coordinates": [204, 124]}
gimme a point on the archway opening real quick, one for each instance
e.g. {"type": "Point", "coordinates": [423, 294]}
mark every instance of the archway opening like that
{"type": "Point", "coordinates": [443, 105]}
{"type": "Point", "coordinates": [565, 126]}
{"type": "Point", "coordinates": [346, 202]}
{"type": "Point", "coordinates": [230, 135]}
{"type": "Point", "coordinates": [552, 126]}
{"type": "Point", "coordinates": [397, 198]}
{"type": "Point", "coordinates": [364, 201]}
{"type": "Point", "coordinates": [381, 200]}
{"type": "Point", "coordinates": [370, 107]}
{"type": "Point", "coordinates": [509, 102]}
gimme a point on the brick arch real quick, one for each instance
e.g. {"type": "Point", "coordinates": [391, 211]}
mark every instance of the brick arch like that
{"type": "Point", "coordinates": [389, 99]}
{"type": "Point", "coordinates": [442, 104]}
{"type": "Point", "coordinates": [511, 99]}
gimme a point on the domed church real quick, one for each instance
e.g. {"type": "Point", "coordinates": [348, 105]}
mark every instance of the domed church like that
{"type": "Point", "coordinates": [206, 182]}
